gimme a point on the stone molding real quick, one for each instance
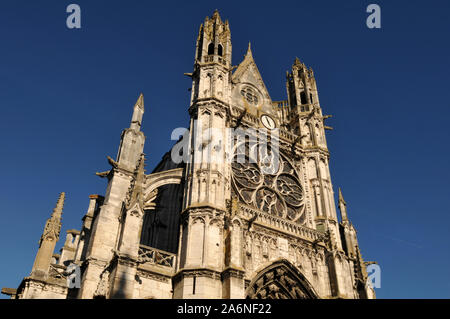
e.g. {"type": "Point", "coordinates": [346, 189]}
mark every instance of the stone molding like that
{"type": "Point", "coordinates": [232, 272]}
{"type": "Point", "coordinates": [196, 272]}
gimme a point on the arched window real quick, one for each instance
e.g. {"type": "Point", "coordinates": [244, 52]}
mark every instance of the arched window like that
{"type": "Point", "coordinates": [303, 98]}
{"type": "Point", "coordinates": [211, 49]}
{"type": "Point", "coordinates": [160, 226]}
{"type": "Point", "coordinates": [219, 50]}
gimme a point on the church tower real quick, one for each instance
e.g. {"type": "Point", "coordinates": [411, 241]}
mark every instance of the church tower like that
{"type": "Point", "coordinates": [241, 207]}
{"type": "Point", "coordinates": [207, 180]}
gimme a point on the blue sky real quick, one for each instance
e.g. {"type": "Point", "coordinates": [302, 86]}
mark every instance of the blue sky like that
{"type": "Point", "coordinates": [65, 96]}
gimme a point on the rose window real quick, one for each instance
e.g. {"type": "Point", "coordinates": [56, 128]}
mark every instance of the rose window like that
{"type": "Point", "coordinates": [250, 95]}
{"type": "Point", "coordinates": [276, 191]}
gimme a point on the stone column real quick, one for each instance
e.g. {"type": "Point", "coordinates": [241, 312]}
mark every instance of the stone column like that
{"type": "Point", "coordinates": [233, 286]}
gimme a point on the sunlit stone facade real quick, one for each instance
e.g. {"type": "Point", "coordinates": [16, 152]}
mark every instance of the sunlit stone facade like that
{"type": "Point", "coordinates": [210, 226]}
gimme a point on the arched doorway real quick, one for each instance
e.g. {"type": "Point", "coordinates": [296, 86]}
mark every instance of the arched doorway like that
{"type": "Point", "coordinates": [280, 280]}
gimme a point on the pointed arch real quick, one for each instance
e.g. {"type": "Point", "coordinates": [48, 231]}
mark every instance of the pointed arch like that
{"type": "Point", "coordinates": [211, 49]}
{"type": "Point", "coordinates": [280, 280]}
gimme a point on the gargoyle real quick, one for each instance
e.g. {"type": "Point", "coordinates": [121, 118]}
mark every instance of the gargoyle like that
{"type": "Point", "coordinates": [112, 162]}
{"type": "Point", "coordinates": [251, 220]}
{"type": "Point", "coordinates": [103, 174]}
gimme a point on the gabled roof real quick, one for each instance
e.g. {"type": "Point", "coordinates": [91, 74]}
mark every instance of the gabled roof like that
{"type": "Point", "coordinates": [247, 71]}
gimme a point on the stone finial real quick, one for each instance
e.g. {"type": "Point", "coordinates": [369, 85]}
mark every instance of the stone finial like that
{"type": "Point", "coordinates": [57, 211]}
{"type": "Point", "coordinates": [341, 197]}
{"type": "Point", "coordinates": [342, 206]}
{"type": "Point", "coordinates": [299, 65]}
{"type": "Point", "coordinates": [138, 113]}
{"type": "Point", "coordinates": [249, 50]}
{"type": "Point", "coordinates": [48, 240]}
{"type": "Point", "coordinates": [216, 15]}
{"type": "Point", "coordinates": [140, 101]}
{"type": "Point", "coordinates": [53, 225]}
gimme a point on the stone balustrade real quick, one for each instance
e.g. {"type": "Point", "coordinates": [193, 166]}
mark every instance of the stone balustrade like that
{"type": "Point", "coordinates": [281, 224]}
{"type": "Point", "coordinates": [155, 256]}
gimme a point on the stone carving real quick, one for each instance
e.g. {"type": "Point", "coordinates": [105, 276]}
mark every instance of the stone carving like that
{"type": "Point", "coordinates": [103, 284]}
{"type": "Point", "coordinates": [155, 256]}
{"type": "Point", "coordinates": [280, 281]}
{"type": "Point", "coordinates": [250, 95]}
{"type": "Point", "coordinates": [149, 201]}
{"type": "Point", "coordinates": [279, 194]}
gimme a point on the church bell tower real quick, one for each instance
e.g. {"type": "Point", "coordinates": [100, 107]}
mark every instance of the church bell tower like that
{"type": "Point", "coordinates": [207, 181]}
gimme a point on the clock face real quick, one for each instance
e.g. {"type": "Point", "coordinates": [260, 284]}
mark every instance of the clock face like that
{"type": "Point", "coordinates": [268, 122]}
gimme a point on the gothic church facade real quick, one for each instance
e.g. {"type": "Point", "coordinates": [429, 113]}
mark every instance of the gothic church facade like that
{"type": "Point", "coordinates": [205, 228]}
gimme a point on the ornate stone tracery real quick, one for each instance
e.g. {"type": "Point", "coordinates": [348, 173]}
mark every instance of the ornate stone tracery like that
{"type": "Point", "coordinates": [279, 194]}
{"type": "Point", "coordinates": [281, 280]}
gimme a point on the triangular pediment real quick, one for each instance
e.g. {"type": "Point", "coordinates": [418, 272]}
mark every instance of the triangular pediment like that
{"type": "Point", "coordinates": [247, 73]}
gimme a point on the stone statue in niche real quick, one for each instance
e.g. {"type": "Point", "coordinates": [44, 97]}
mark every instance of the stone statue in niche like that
{"type": "Point", "coordinates": [248, 245]}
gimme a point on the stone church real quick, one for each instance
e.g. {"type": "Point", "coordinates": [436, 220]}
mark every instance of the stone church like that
{"type": "Point", "coordinates": [211, 225]}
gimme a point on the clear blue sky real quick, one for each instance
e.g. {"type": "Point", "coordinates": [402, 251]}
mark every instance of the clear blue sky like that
{"type": "Point", "coordinates": [65, 96]}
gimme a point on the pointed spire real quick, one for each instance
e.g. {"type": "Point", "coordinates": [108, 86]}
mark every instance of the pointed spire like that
{"type": "Point", "coordinates": [341, 197]}
{"type": "Point", "coordinates": [140, 101]}
{"type": "Point", "coordinates": [48, 240]}
{"type": "Point", "coordinates": [216, 15]}
{"type": "Point", "coordinates": [138, 113]}
{"type": "Point", "coordinates": [200, 30]}
{"type": "Point", "coordinates": [53, 225]}
{"type": "Point", "coordinates": [300, 65]}
{"type": "Point", "coordinates": [57, 211]}
{"type": "Point", "coordinates": [249, 49]}
{"type": "Point", "coordinates": [342, 206]}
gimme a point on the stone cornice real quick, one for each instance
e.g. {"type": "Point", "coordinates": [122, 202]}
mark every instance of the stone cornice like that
{"type": "Point", "coordinates": [233, 272]}
{"type": "Point", "coordinates": [205, 102]}
{"type": "Point", "coordinates": [281, 225]}
{"type": "Point", "coordinates": [31, 280]}
{"type": "Point", "coordinates": [197, 272]}
{"type": "Point", "coordinates": [153, 275]}
{"type": "Point", "coordinates": [95, 261]}
{"type": "Point", "coordinates": [127, 260]}
{"type": "Point", "coordinates": [204, 207]}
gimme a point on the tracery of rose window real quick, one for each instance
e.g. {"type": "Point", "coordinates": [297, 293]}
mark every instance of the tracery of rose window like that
{"type": "Point", "coordinates": [277, 192]}
{"type": "Point", "coordinates": [250, 95]}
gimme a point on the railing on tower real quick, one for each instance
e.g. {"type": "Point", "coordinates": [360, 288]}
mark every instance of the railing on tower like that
{"type": "Point", "coordinates": [210, 58]}
{"type": "Point", "coordinates": [149, 255]}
